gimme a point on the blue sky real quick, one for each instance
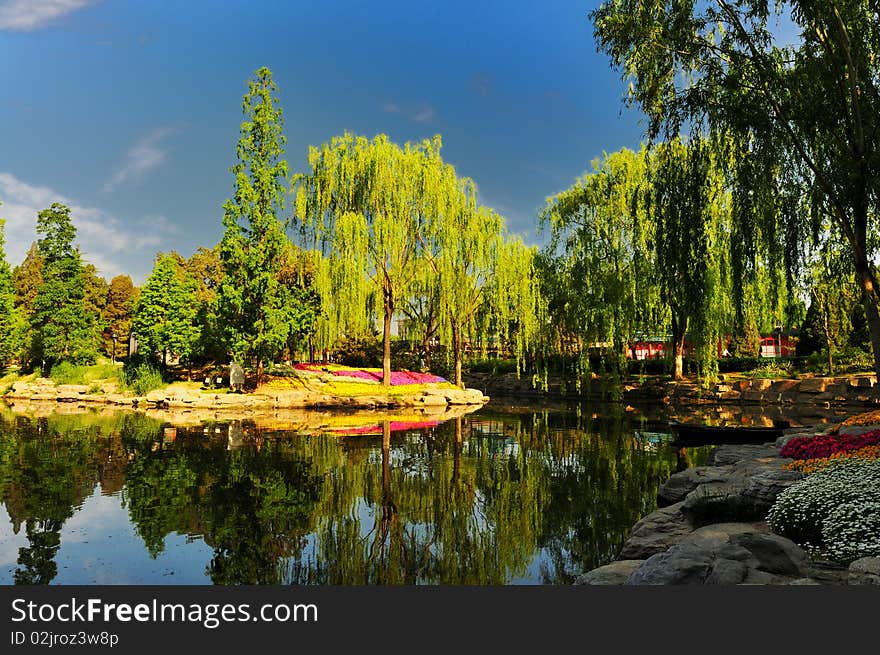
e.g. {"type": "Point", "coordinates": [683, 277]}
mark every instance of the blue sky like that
{"type": "Point", "coordinates": [129, 110]}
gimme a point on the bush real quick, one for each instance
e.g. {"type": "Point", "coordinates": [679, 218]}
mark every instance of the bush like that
{"type": "Point", "coordinates": [141, 376]}
{"type": "Point", "coordinates": [493, 366]}
{"type": "Point", "coordinates": [829, 509]}
{"type": "Point", "coordinates": [361, 351]}
{"type": "Point", "coordinates": [773, 369]}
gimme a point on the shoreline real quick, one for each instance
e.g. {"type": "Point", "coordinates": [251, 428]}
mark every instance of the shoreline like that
{"type": "Point", "coordinates": [312, 395]}
{"type": "Point", "coordinates": [854, 389]}
{"type": "Point", "coordinates": [710, 528]}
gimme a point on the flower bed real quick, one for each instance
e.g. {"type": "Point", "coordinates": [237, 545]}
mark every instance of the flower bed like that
{"type": "Point", "coordinates": [398, 378]}
{"type": "Point", "coordinates": [827, 445]}
{"type": "Point", "coordinates": [835, 510]}
{"type": "Point", "coordinates": [819, 463]}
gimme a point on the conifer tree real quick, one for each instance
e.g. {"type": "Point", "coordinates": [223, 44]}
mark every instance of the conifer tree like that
{"type": "Point", "coordinates": [255, 309]}
{"type": "Point", "coordinates": [165, 317]}
{"type": "Point", "coordinates": [7, 304]}
{"type": "Point", "coordinates": [61, 329]}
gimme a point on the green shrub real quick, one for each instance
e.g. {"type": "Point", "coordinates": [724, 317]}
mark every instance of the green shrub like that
{"type": "Point", "coordinates": [363, 351]}
{"type": "Point", "coordinates": [773, 369]}
{"type": "Point", "coordinates": [142, 376]}
{"type": "Point", "coordinates": [493, 366]}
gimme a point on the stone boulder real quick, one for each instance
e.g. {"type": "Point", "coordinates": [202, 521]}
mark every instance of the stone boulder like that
{"type": "Point", "coordinates": [729, 454]}
{"type": "Point", "coordinates": [678, 485]}
{"type": "Point", "coordinates": [747, 495]}
{"type": "Point", "coordinates": [615, 573]}
{"type": "Point", "coordinates": [656, 532]}
{"type": "Point", "coordinates": [865, 571]}
{"type": "Point", "coordinates": [726, 553]}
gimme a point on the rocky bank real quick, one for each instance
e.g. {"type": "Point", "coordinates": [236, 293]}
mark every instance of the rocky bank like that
{"type": "Point", "coordinates": [710, 529]}
{"type": "Point", "coordinates": [316, 393]}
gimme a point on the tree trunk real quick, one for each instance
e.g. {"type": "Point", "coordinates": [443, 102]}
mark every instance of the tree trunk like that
{"type": "Point", "coordinates": [827, 330]}
{"type": "Point", "coordinates": [259, 372]}
{"type": "Point", "coordinates": [457, 453]}
{"type": "Point", "coordinates": [679, 328]}
{"type": "Point", "coordinates": [869, 300]}
{"type": "Point", "coordinates": [388, 507]}
{"type": "Point", "coordinates": [864, 274]}
{"type": "Point", "coordinates": [386, 336]}
{"type": "Point", "coordinates": [456, 353]}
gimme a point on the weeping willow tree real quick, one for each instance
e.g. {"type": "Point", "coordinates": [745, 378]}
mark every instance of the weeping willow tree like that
{"type": "Point", "coordinates": [646, 244]}
{"type": "Point", "coordinates": [483, 280]}
{"type": "Point", "coordinates": [366, 203]}
{"type": "Point", "coordinates": [687, 200]}
{"type": "Point", "coordinates": [600, 265]}
{"type": "Point", "coordinates": [806, 100]}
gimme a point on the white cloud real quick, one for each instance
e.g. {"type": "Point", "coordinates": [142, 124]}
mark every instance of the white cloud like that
{"type": "Point", "coordinates": [113, 247]}
{"type": "Point", "coordinates": [27, 15]}
{"type": "Point", "coordinates": [143, 157]}
{"type": "Point", "coordinates": [423, 113]}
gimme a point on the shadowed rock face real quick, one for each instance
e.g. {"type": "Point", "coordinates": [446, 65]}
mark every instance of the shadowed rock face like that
{"type": "Point", "coordinates": [668, 546]}
{"type": "Point", "coordinates": [656, 532]}
{"type": "Point", "coordinates": [726, 553]}
{"type": "Point", "coordinates": [741, 486]}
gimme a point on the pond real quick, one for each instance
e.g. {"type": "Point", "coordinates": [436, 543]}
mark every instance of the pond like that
{"type": "Point", "coordinates": [500, 496]}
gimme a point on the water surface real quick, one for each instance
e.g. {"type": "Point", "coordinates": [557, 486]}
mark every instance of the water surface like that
{"type": "Point", "coordinates": [495, 497]}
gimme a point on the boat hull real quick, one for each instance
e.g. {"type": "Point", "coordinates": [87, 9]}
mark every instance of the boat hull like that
{"type": "Point", "coordinates": [691, 434]}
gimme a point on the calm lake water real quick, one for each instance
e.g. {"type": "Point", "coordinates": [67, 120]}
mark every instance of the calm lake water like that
{"type": "Point", "coordinates": [500, 496]}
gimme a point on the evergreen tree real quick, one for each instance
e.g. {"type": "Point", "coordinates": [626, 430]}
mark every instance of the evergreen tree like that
{"type": "Point", "coordinates": [165, 317]}
{"type": "Point", "coordinates": [255, 309]}
{"type": "Point", "coordinates": [61, 329]}
{"type": "Point", "coordinates": [27, 278]}
{"type": "Point", "coordinates": [7, 304]}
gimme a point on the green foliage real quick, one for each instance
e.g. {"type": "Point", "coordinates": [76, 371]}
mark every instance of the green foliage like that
{"type": "Point", "coordinates": [69, 373]}
{"type": "Point", "coordinates": [141, 376]}
{"type": "Point", "coordinates": [797, 124]}
{"type": "Point", "coordinates": [61, 328]}
{"type": "Point", "coordinates": [165, 316]}
{"type": "Point", "coordinates": [117, 315]}
{"type": "Point", "coordinates": [363, 350]}
{"type": "Point", "coordinates": [258, 313]}
{"type": "Point", "coordinates": [493, 366]}
{"type": "Point", "coordinates": [773, 369]}
{"type": "Point", "coordinates": [7, 304]}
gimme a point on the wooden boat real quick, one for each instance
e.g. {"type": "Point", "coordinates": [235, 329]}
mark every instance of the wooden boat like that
{"type": "Point", "coordinates": [695, 434]}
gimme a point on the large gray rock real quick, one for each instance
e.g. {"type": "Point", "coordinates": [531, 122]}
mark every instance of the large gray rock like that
{"type": "Point", "coordinates": [730, 454]}
{"type": "Point", "coordinates": [773, 553]}
{"type": "Point", "coordinates": [730, 553]}
{"type": "Point", "coordinates": [676, 488]}
{"type": "Point", "coordinates": [615, 573]}
{"type": "Point", "coordinates": [747, 494]}
{"type": "Point", "coordinates": [865, 571]}
{"type": "Point", "coordinates": [656, 532]}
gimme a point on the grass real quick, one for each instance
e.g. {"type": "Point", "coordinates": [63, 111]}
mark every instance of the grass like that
{"type": "Point", "coordinates": [67, 373]}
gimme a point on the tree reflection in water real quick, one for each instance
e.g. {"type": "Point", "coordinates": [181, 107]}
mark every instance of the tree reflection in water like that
{"type": "Point", "coordinates": [489, 498]}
